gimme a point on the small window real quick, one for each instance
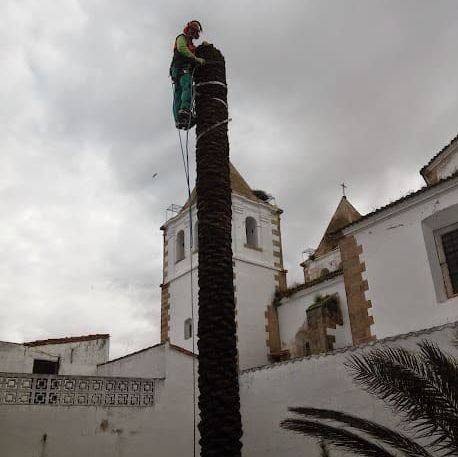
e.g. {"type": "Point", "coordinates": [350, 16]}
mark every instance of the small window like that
{"type": "Point", "coordinates": [447, 246]}
{"type": "Point", "coordinates": [45, 367]}
{"type": "Point", "coordinates": [180, 246]}
{"type": "Point", "coordinates": [251, 232]}
{"type": "Point", "coordinates": [187, 329]}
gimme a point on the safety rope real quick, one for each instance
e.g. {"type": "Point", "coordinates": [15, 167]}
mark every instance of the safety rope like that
{"type": "Point", "coordinates": [205, 83]}
{"type": "Point", "coordinates": [213, 127]}
{"type": "Point", "coordinates": [185, 157]}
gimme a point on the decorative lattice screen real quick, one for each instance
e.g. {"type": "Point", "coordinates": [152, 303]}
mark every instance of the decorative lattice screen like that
{"type": "Point", "coordinates": [25, 389]}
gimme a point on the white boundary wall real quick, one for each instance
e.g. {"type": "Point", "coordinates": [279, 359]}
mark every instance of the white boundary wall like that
{"type": "Point", "coordinates": [317, 381]}
{"type": "Point", "coordinates": [165, 429]}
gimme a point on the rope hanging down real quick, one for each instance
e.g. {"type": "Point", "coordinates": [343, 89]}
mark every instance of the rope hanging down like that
{"type": "Point", "coordinates": [185, 158]}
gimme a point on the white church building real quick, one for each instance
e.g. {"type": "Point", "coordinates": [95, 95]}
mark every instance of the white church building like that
{"type": "Point", "coordinates": [388, 277]}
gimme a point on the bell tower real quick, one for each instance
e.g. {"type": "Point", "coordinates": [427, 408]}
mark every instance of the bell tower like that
{"type": "Point", "coordinates": [258, 271]}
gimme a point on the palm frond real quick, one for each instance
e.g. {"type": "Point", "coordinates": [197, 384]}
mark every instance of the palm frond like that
{"type": "Point", "coordinates": [376, 431]}
{"type": "Point", "coordinates": [444, 368]}
{"type": "Point", "coordinates": [336, 437]}
{"type": "Point", "coordinates": [443, 373]}
{"type": "Point", "coordinates": [455, 339]}
{"type": "Point", "coordinates": [403, 380]}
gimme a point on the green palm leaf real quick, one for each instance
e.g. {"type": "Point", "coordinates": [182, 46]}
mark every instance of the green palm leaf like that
{"type": "Point", "coordinates": [403, 380]}
{"type": "Point", "coordinates": [336, 437]}
{"type": "Point", "coordinates": [376, 431]}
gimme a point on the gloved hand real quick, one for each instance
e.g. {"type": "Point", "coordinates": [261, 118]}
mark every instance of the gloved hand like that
{"type": "Point", "coordinates": [200, 61]}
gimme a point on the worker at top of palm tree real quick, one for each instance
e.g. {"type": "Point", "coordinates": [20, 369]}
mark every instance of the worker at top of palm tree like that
{"type": "Point", "coordinates": [183, 62]}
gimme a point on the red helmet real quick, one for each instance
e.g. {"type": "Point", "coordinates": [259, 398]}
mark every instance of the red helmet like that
{"type": "Point", "coordinates": [193, 29]}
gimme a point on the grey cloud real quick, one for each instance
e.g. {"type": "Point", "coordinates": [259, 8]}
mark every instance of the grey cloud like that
{"type": "Point", "coordinates": [319, 92]}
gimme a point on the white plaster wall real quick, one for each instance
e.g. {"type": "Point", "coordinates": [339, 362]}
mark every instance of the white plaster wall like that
{"type": "Point", "coordinates": [331, 261]}
{"type": "Point", "coordinates": [398, 272]}
{"type": "Point", "coordinates": [318, 381]}
{"type": "Point", "coordinates": [292, 313]}
{"type": "Point", "coordinates": [181, 222]}
{"type": "Point", "coordinates": [262, 213]}
{"type": "Point", "coordinates": [79, 357]}
{"type": "Point", "coordinates": [254, 281]}
{"type": "Point", "coordinates": [166, 429]}
{"type": "Point", "coordinates": [14, 358]}
{"type": "Point", "coordinates": [255, 288]}
{"type": "Point", "coordinates": [449, 166]}
{"type": "Point", "coordinates": [147, 363]}
{"type": "Point", "coordinates": [75, 358]}
{"type": "Point", "coordinates": [180, 308]}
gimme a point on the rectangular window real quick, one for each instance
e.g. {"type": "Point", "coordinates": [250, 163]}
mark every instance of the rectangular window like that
{"type": "Point", "coordinates": [45, 367]}
{"type": "Point", "coordinates": [447, 247]}
{"type": "Point", "coordinates": [450, 245]}
{"type": "Point", "coordinates": [187, 329]}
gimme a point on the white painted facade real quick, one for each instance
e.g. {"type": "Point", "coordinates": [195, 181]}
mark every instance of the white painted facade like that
{"type": "Point", "coordinates": [448, 168]}
{"type": "Point", "coordinates": [292, 314]}
{"type": "Point", "coordinates": [255, 268]}
{"type": "Point", "coordinates": [406, 286]}
{"type": "Point", "coordinates": [328, 262]}
{"type": "Point", "coordinates": [443, 165]}
{"type": "Point", "coordinates": [164, 429]}
{"type": "Point", "coordinates": [79, 357]}
{"type": "Point", "coordinates": [402, 267]}
{"type": "Point", "coordinates": [318, 381]}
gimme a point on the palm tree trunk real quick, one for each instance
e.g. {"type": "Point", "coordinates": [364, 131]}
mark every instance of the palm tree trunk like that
{"type": "Point", "coordinates": [219, 402]}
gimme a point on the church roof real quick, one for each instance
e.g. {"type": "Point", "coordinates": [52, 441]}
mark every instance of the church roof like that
{"type": "Point", "coordinates": [344, 214]}
{"type": "Point", "coordinates": [238, 185]}
{"type": "Point", "coordinates": [407, 197]}
{"type": "Point", "coordinates": [427, 171]}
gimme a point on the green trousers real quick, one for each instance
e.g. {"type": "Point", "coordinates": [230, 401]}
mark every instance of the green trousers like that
{"type": "Point", "coordinates": [182, 93]}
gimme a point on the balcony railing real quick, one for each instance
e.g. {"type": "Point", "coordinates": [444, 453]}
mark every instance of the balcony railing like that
{"type": "Point", "coordinates": [61, 390]}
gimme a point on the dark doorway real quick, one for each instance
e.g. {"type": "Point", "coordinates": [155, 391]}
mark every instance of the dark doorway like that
{"type": "Point", "coordinates": [45, 367]}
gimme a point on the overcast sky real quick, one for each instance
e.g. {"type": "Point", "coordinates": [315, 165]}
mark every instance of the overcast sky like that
{"type": "Point", "coordinates": [320, 92]}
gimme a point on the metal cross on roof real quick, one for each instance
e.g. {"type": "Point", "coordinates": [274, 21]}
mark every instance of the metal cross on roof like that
{"type": "Point", "coordinates": [343, 189]}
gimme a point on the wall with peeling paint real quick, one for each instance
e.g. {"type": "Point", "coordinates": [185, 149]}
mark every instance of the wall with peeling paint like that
{"type": "Point", "coordinates": [165, 429]}
{"type": "Point", "coordinates": [396, 252]}
{"type": "Point", "coordinates": [292, 313]}
{"type": "Point", "coordinates": [79, 358]}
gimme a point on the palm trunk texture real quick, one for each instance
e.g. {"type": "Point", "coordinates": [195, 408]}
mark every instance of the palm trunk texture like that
{"type": "Point", "coordinates": [219, 401]}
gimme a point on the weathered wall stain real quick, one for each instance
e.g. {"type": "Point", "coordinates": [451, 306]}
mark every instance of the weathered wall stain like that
{"type": "Point", "coordinates": [104, 425]}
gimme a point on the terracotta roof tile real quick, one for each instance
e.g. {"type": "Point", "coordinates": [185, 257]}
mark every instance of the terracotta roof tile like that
{"type": "Point", "coordinates": [403, 199]}
{"type": "Point", "coordinates": [70, 339]}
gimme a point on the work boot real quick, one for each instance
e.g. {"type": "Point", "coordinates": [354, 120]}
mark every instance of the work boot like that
{"type": "Point", "coordinates": [186, 120]}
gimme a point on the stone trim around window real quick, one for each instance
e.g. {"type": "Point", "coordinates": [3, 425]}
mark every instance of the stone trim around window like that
{"type": "Point", "coordinates": [434, 227]}
{"type": "Point", "coordinates": [447, 264]}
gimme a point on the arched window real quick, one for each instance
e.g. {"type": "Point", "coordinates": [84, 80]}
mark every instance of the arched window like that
{"type": "Point", "coordinates": [187, 329]}
{"type": "Point", "coordinates": [180, 246]}
{"type": "Point", "coordinates": [251, 232]}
